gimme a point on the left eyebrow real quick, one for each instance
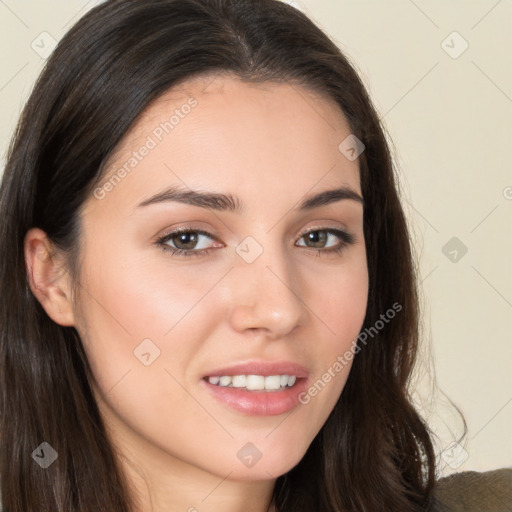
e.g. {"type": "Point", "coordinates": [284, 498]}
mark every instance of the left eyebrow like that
{"type": "Point", "coordinates": [228, 202]}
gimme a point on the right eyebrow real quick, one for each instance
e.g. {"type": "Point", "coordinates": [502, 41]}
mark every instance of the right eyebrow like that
{"type": "Point", "coordinates": [228, 202]}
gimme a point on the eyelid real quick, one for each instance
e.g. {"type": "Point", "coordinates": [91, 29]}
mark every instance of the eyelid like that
{"type": "Point", "coordinates": [346, 239]}
{"type": "Point", "coordinates": [186, 229]}
{"type": "Point", "coordinates": [205, 232]}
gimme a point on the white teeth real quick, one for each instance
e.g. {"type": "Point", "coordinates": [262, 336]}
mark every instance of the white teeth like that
{"type": "Point", "coordinates": [225, 380]}
{"type": "Point", "coordinates": [272, 382]}
{"type": "Point", "coordinates": [254, 382]}
{"type": "Point", "coordinates": [239, 381]}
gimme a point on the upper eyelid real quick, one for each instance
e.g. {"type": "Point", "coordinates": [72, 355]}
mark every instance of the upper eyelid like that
{"type": "Point", "coordinates": [190, 229]}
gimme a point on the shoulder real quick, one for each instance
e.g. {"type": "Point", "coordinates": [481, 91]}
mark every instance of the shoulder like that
{"type": "Point", "coordinates": [472, 491]}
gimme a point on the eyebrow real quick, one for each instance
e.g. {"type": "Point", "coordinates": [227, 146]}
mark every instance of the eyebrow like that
{"type": "Point", "coordinates": [228, 202]}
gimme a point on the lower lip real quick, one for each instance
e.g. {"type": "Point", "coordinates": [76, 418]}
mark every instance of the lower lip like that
{"type": "Point", "coordinates": [258, 403]}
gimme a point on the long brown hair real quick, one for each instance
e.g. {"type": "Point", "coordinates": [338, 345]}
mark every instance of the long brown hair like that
{"type": "Point", "coordinates": [374, 452]}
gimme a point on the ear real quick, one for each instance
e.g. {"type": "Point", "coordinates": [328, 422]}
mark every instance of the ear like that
{"type": "Point", "coordinates": [48, 277]}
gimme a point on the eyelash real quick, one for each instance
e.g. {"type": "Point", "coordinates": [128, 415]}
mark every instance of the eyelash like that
{"type": "Point", "coordinates": [347, 239]}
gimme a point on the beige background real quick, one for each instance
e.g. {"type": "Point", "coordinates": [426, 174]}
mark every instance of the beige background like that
{"type": "Point", "coordinates": [449, 114]}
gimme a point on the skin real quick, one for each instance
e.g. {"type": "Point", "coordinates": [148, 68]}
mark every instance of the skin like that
{"type": "Point", "coordinates": [271, 145]}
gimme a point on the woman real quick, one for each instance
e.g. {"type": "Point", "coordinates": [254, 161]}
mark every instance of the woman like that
{"type": "Point", "coordinates": [269, 372]}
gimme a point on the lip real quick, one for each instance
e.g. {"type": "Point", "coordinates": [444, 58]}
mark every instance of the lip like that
{"type": "Point", "coordinates": [259, 403]}
{"type": "Point", "coordinates": [264, 368]}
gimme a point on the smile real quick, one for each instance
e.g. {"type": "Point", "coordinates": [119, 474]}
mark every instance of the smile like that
{"type": "Point", "coordinates": [254, 382]}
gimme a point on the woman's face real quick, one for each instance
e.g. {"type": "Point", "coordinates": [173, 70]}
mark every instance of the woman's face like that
{"type": "Point", "coordinates": [249, 287]}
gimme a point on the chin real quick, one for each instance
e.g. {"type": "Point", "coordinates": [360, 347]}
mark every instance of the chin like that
{"type": "Point", "coordinates": [271, 464]}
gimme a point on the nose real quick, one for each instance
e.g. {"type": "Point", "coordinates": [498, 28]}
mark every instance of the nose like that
{"type": "Point", "coordinates": [267, 296]}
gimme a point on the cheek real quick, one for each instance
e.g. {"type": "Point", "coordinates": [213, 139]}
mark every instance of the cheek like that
{"type": "Point", "coordinates": [133, 308]}
{"type": "Point", "coordinates": [341, 303]}
{"type": "Point", "coordinates": [143, 331]}
{"type": "Point", "coordinates": [338, 302]}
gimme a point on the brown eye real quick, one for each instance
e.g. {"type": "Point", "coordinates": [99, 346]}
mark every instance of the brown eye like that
{"type": "Point", "coordinates": [185, 241]}
{"type": "Point", "coordinates": [318, 239]}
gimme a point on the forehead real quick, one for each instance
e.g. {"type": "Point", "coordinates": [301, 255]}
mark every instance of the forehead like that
{"type": "Point", "coordinates": [219, 132]}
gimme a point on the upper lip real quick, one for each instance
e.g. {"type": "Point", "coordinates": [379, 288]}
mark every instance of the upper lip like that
{"type": "Point", "coordinates": [264, 368]}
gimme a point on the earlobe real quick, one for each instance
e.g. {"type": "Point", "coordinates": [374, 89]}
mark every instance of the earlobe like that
{"type": "Point", "coordinates": [48, 277]}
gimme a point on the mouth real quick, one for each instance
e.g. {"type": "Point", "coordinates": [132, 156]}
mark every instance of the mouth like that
{"type": "Point", "coordinates": [269, 383]}
{"type": "Point", "coordinates": [259, 388]}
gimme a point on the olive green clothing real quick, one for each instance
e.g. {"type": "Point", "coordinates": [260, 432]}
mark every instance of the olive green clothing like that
{"type": "Point", "coordinates": [472, 491]}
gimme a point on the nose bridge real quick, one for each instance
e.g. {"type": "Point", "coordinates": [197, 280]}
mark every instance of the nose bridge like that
{"type": "Point", "coordinates": [266, 290]}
